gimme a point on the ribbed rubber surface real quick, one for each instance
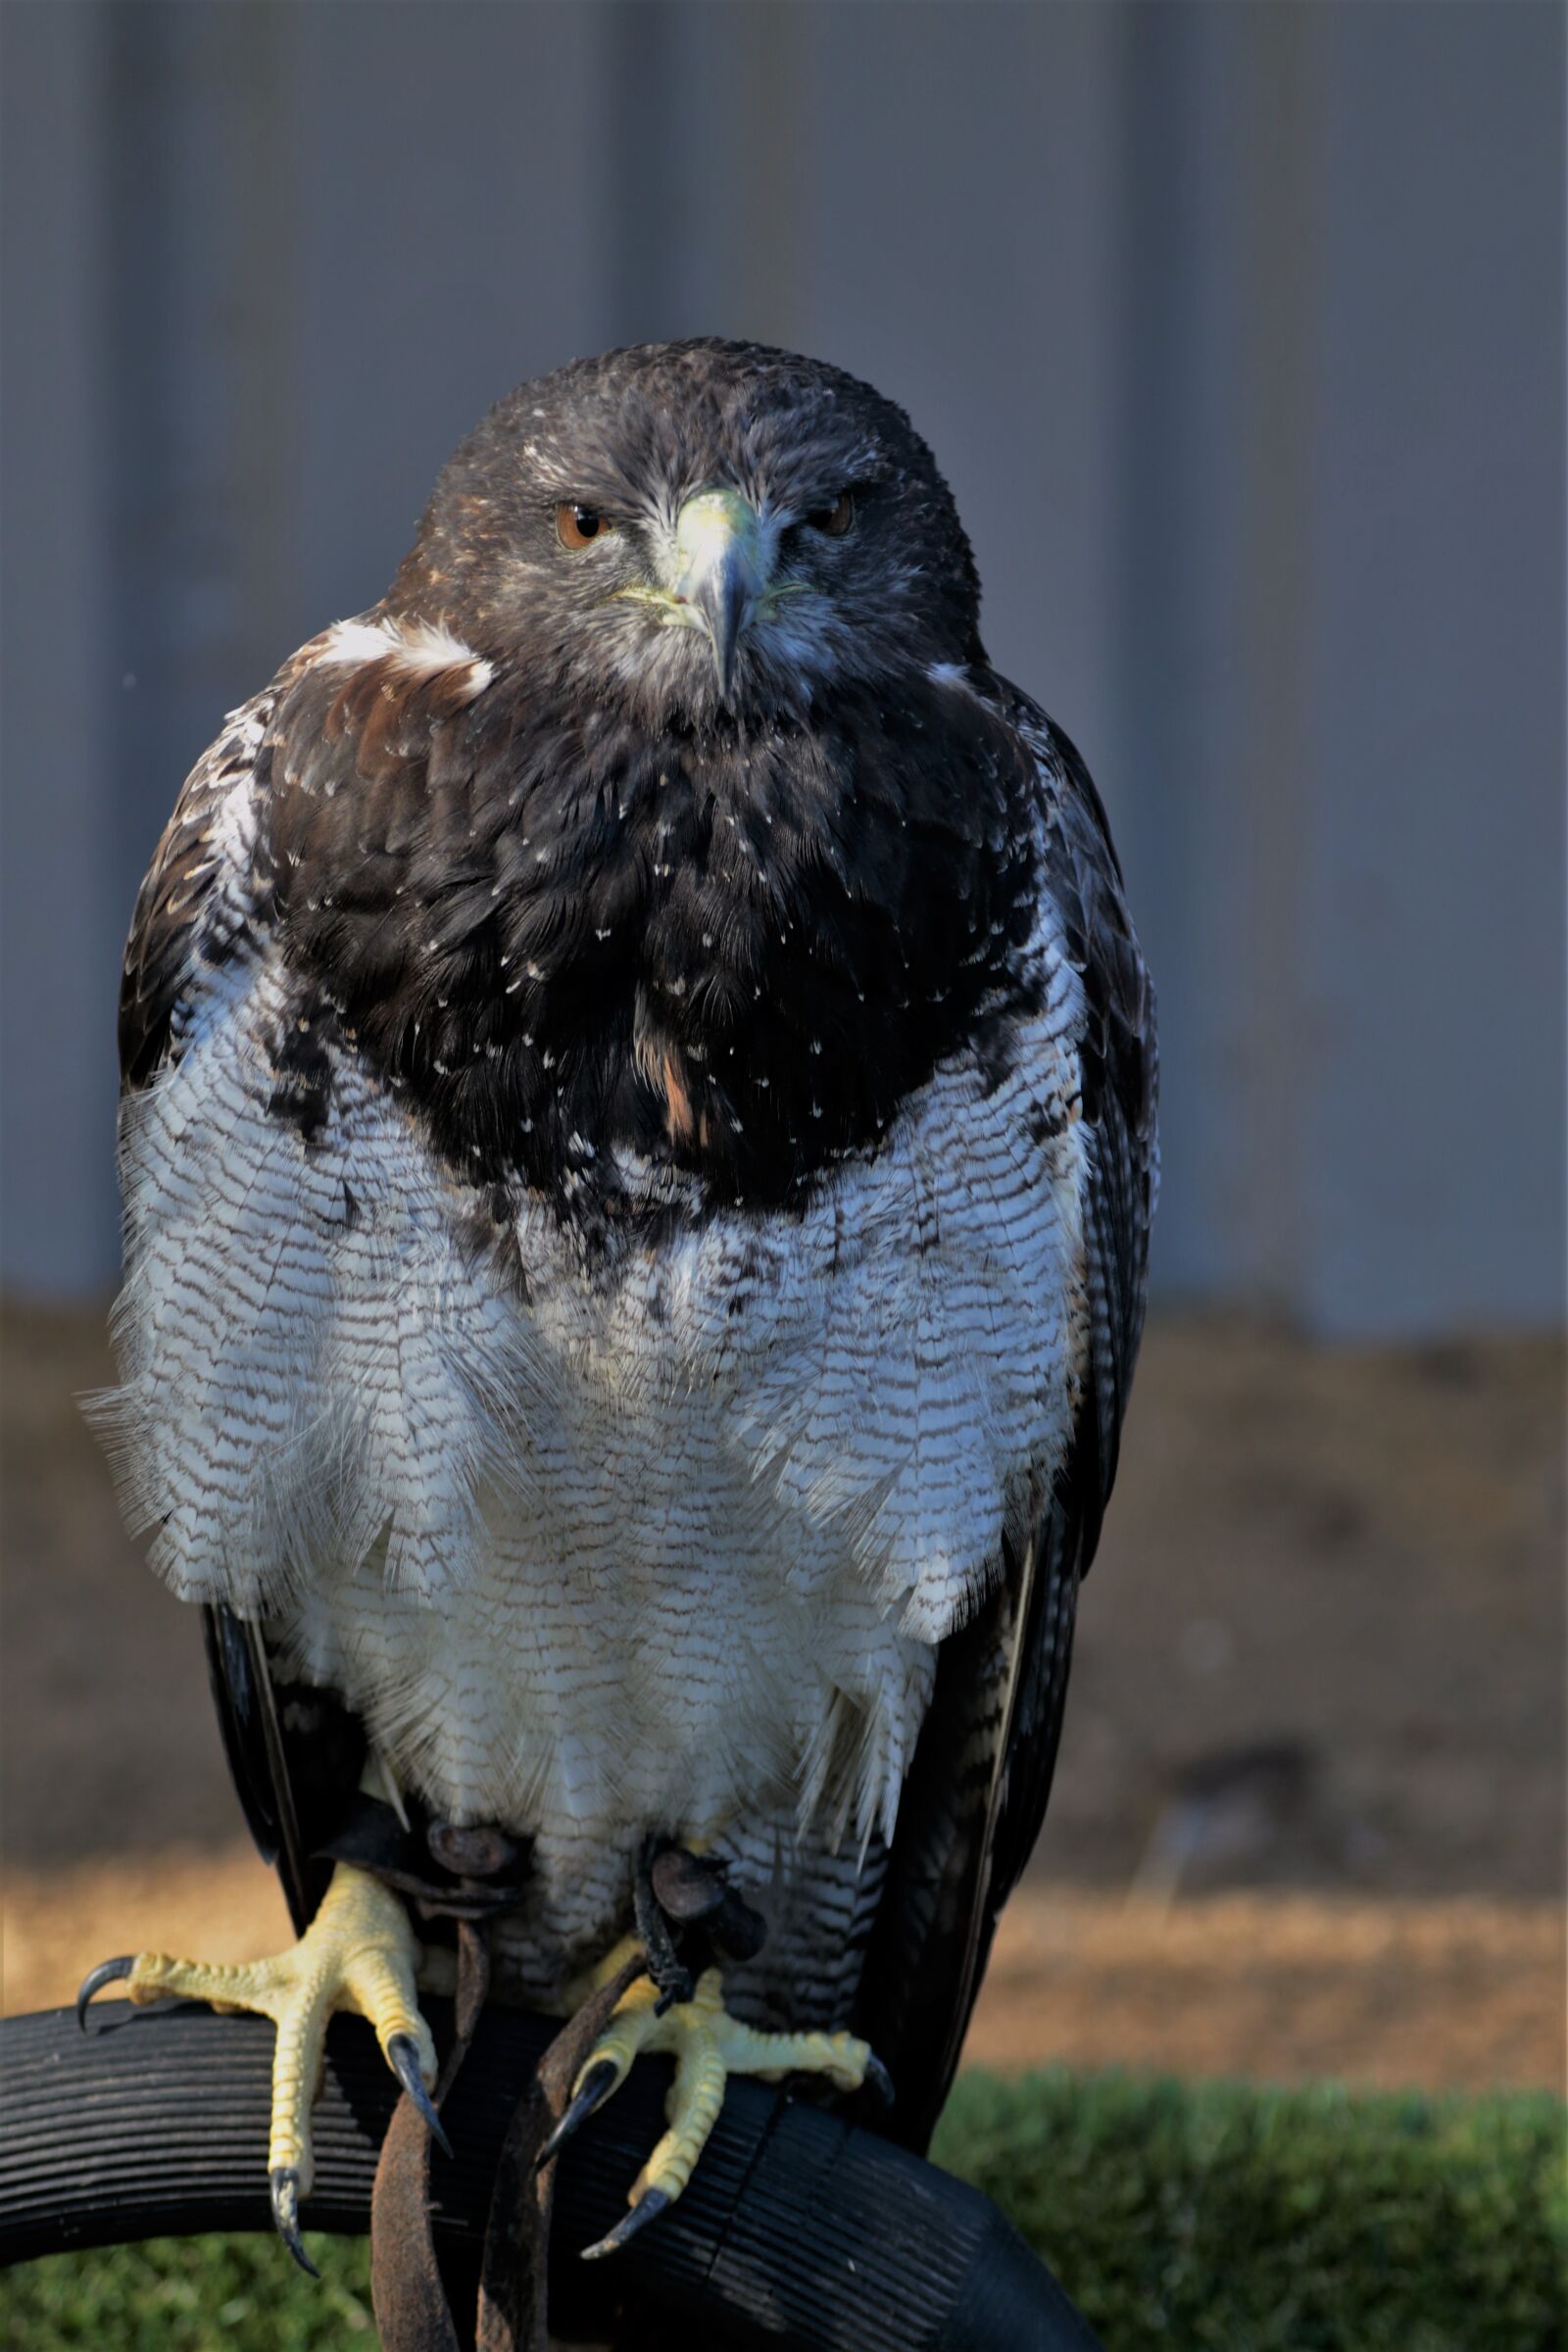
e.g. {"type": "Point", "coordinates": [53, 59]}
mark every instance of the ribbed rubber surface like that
{"type": "Point", "coordinates": [797, 2229]}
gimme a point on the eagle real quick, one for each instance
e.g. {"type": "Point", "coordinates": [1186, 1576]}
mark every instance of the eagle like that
{"type": "Point", "coordinates": [637, 1146]}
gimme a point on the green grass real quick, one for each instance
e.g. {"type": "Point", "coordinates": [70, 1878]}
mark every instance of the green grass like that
{"type": "Point", "coordinates": [1176, 2214]}
{"type": "Point", "coordinates": [1218, 2215]}
{"type": "Point", "coordinates": [191, 2294]}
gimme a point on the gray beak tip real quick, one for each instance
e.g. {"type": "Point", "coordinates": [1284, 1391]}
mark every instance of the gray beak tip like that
{"type": "Point", "coordinates": [725, 603]}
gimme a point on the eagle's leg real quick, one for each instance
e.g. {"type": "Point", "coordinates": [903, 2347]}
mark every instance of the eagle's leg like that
{"type": "Point", "coordinates": [709, 2046]}
{"type": "Point", "coordinates": [357, 1954]}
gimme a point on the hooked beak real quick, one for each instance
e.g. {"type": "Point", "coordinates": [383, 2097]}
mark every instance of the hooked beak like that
{"type": "Point", "coordinates": [723, 572]}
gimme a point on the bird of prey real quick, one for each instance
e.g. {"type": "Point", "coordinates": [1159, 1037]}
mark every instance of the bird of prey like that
{"type": "Point", "coordinates": [637, 1146]}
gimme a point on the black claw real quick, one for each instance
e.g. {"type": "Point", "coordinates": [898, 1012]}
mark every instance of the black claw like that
{"type": "Point", "coordinates": [284, 2184]}
{"type": "Point", "coordinates": [598, 2083]}
{"type": "Point", "coordinates": [648, 2208]}
{"type": "Point", "coordinates": [403, 2055]}
{"type": "Point", "coordinates": [106, 1971]}
{"type": "Point", "coordinates": [880, 2080]}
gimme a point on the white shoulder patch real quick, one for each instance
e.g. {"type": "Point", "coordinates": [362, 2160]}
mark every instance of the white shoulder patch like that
{"type": "Point", "coordinates": [417, 648]}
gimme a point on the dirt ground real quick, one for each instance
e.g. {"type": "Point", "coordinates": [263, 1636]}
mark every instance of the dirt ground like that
{"type": "Point", "coordinates": [1309, 1818]}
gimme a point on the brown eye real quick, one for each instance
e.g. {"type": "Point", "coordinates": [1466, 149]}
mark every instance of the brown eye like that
{"type": "Point", "coordinates": [576, 525]}
{"type": "Point", "coordinates": [835, 520]}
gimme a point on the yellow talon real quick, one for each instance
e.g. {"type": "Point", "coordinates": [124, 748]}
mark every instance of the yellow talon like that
{"type": "Point", "coordinates": [357, 1954]}
{"type": "Point", "coordinates": [709, 2046]}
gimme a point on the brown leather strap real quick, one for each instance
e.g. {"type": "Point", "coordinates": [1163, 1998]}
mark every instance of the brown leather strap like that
{"type": "Point", "coordinates": [513, 2296]}
{"type": "Point", "coordinates": [412, 2306]}
{"type": "Point", "coordinates": [413, 2309]}
{"type": "Point", "coordinates": [410, 2297]}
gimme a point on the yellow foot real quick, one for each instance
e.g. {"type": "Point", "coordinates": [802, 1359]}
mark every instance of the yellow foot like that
{"type": "Point", "coordinates": [709, 2046]}
{"type": "Point", "coordinates": [359, 1953]}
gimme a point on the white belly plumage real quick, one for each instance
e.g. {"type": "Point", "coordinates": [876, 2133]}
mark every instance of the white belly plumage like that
{"type": "Point", "coordinates": [666, 1543]}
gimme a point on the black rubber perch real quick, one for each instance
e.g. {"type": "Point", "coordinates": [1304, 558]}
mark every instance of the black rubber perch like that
{"type": "Point", "coordinates": [798, 2230]}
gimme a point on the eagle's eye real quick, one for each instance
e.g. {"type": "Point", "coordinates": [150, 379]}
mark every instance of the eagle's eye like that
{"type": "Point", "coordinates": [576, 525]}
{"type": "Point", "coordinates": [836, 520]}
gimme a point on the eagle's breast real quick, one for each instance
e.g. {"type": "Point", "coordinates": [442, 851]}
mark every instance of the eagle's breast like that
{"type": "Point", "coordinates": [647, 1493]}
{"type": "Point", "coordinates": [558, 936]}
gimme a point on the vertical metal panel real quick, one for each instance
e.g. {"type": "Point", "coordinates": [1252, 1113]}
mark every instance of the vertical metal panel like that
{"type": "Point", "coordinates": [1343, 621]}
{"type": "Point", "coordinates": [59, 894]}
{"type": "Point", "coordinates": [706, 159]}
{"type": "Point", "coordinates": [196, 553]}
{"type": "Point", "coordinates": [1267, 1216]}
{"type": "Point", "coordinates": [1433, 771]}
{"type": "Point", "coordinates": [1178, 517]}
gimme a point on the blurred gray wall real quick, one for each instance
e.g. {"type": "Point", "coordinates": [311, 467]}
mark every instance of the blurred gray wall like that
{"type": "Point", "coordinates": [1238, 329]}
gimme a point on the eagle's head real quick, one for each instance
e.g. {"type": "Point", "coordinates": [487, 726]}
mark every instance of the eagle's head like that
{"type": "Point", "coordinates": [689, 529]}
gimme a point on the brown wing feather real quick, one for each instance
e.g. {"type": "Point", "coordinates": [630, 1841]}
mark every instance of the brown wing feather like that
{"type": "Point", "coordinates": [182, 915]}
{"type": "Point", "coordinates": [977, 1791]}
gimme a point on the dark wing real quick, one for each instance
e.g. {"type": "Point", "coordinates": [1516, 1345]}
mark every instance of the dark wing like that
{"type": "Point", "coordinates": [193, 911]}
{"type": "Point", "coordinates": [287, 1749]}
{"type": "Point", "coordinates": [294, 1752]}
{"type": "Point", "coordinates": [178, 911]}
{"type": "Point", "coordinates": [976, 1793]}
